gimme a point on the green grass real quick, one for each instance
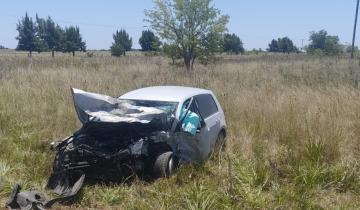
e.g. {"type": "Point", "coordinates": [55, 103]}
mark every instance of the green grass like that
{"type": "Point", "coordinates": [293, 129]}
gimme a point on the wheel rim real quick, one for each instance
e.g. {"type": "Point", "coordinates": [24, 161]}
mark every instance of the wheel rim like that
{"type": "Point", "coordinates": [171, 166]}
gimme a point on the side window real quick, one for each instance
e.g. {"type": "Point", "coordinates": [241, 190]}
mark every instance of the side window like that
{"type": "Point", "coordinates": [186, 104]}
{"type": "Point", "coordinates": [207, 105]}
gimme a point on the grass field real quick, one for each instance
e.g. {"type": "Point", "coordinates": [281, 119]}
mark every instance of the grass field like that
{"type": "Point", "coordinates": [293, 129]}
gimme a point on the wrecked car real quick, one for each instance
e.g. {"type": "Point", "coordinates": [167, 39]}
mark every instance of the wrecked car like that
{"type": "Point", "coordinates": [148, 131]}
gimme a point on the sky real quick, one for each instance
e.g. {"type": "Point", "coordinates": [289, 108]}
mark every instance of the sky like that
{"type": "Point", "coordinates": [256, 22]}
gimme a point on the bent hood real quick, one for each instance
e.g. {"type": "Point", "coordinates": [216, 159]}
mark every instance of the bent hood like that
{"type": "Point", "coordinates": [93, 107]}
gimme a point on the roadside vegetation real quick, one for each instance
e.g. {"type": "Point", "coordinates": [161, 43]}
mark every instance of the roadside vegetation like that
{"type": "Point", "coordinates": [293, 114]}
{"type": "Point", "coordinates": [293, 129]}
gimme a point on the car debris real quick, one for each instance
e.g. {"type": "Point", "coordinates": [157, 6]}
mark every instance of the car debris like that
{"type": "Point", "coordinates": [36, 200]}
{"type": "Point", "coordinates": [121, 138]}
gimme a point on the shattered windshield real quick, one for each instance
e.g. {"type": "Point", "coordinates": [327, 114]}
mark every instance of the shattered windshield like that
{"type": "Point", "coordinates": [168, 107]}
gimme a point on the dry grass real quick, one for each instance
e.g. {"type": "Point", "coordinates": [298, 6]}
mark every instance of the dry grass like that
{"type": "Point", "coordinates": [293, 125]}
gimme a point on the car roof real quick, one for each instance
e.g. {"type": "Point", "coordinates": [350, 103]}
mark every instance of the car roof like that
{"type": "Point", "coordinates": [164, 93]}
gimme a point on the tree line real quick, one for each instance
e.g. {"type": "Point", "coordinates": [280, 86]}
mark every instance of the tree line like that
{"type": "Point", "coordinates": [149, 42]}
{"type": "Point", "coordinates": [320, 44]}
{"type": "Point", "coordinates": [196, 30]}
{"type": "Point", "coordinates": [187, 30]}
{"type": "Point", "coordinates": [44, 35]}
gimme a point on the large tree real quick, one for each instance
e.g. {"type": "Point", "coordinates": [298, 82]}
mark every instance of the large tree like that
{"type": "Point", "coordinates": [73, 40]}
{"type": "Point", "coordinates": [50, 34]}
{"type": "Point", "coordinates": [283, 45]}
{"type": "Point", "coordinates": [190, 25]}
{"type": "Point", "coordinates": [148, 41]}
{"type": "Point", "coordinates": [233, 44]}
{"type": "Point", "coordinates": [122, 43]}
{"type": "Point", "coordinates": [27, 38]}
{"type": "Point", "coordinates": [322, 43]}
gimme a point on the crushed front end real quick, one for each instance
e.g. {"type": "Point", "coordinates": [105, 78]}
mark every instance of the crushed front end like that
{"type": "Point", "coordinates": [117, 139]}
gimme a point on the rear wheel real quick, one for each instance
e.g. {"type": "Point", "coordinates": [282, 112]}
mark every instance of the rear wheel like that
{"type": "Point", "coordinates": [220, 141]}
{"type": "Point", "coordinates": [164, 165]}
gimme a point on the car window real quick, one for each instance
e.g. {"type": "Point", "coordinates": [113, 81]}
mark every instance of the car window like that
{"type": "Point", "coordinates": [190, 120]}
{"type": "Point", "coordinates": [207, 105]}
{"type": "Point", "coordinates": [186, 104]}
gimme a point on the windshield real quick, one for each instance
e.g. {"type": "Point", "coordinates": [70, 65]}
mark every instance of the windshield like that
{"type": "Point", "coordinates": [168, 107]}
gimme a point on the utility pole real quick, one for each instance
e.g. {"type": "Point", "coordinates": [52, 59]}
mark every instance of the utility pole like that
{"type": "Point", "coordinates": [354, 33]}
{"type": "Point", "coordinates": [302, 44]}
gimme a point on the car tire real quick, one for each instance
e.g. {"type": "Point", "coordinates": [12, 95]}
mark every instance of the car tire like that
{"type": "Point", "coordinates": [220, 142]}
{"type": "Point", "coordinates": [164, 165]}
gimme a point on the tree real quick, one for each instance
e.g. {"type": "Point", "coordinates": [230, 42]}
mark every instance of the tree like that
{"type": "Point", "coordinates": [233, 44]}
{"type": "Point", "coordinates": [322, 43]}
{"type": "Point", "coordinates": [122, 43]}
{"type": "Point", "coordinates": [283, 45]}
{"type": "Point", "coordinates": [210, 44]}
{"type": "Point", "coordinates": [333, 46]}
{"type": "Point", "coordinates": [27, 38]}
{"type": "Point", "coordinates": [2, 47]}
{"type": "Point", "coordinates": [148, 41]}
{"type": "Point", "coordinates": [51, 35]}
{"type": "Point", "coordinates": [273, 46]}
{"type": "Point", "coordinates": [73, 40]}
{"type": "Point", "coordinates": [190, 25]}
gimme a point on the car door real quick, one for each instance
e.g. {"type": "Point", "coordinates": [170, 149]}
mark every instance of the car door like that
{"type": "Point", "coordinates": [209, 112]}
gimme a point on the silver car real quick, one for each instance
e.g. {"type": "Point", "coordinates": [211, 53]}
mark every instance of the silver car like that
{"type": "Point", "coordinates": [148, 131]}
{"type": "Point", "coordinates": [204, 103]}
{"type": "Point", "coordinates": [143, 133]}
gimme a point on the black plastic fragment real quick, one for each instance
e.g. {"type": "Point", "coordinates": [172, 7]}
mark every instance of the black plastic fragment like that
{"type": "Point", "coordinates": [26, 200]}
{"type": "Point", "coordinates": [66, 185]}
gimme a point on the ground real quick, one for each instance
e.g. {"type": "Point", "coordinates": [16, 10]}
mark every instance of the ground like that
{"type": "Point", "coordinates": [293, 129]}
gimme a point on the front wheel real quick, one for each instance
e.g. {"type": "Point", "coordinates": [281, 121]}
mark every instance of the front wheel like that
{"type": "Point", "coordinates": [164, 165]}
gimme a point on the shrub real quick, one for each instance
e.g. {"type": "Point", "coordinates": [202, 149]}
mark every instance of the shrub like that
{"type": "Point", "coordinates": [117, 50]}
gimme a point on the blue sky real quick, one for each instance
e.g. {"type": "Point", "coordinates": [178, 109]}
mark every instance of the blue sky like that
{"type": "Point", "coordinates": [256, 22]}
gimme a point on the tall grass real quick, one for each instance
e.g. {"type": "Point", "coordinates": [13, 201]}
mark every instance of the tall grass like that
{"type": "Point", "coordinates": [293, 129]}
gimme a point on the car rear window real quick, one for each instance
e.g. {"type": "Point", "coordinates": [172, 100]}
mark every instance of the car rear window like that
{"type": "Point", "coordinates": [207, 105]}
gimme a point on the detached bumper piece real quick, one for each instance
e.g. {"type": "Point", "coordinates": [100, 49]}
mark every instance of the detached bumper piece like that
{"type": "Point", "coordinates": [67, 187]}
